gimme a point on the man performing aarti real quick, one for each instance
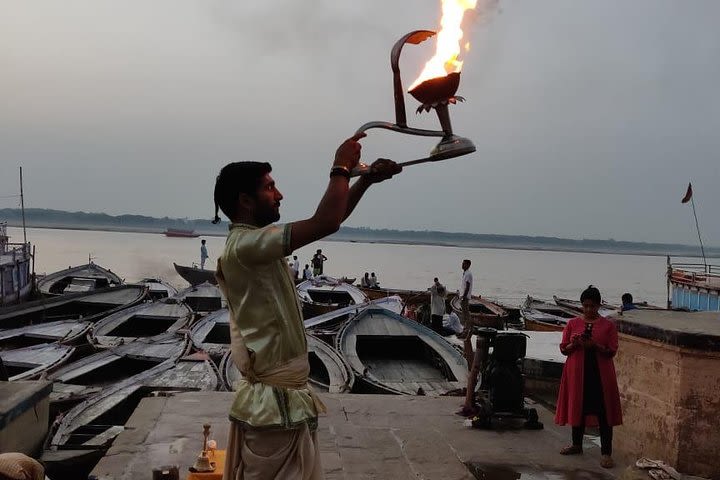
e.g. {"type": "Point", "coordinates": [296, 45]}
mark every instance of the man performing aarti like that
{"type": "Point", "coordinates": [274, 416]}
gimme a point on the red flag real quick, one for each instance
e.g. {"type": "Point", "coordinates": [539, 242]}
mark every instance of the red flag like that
{"type": "Point", "coordinates": [688, 194]}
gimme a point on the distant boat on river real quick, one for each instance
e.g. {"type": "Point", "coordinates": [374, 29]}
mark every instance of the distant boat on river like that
{"type": "Point", "coordinates": [180, 233]}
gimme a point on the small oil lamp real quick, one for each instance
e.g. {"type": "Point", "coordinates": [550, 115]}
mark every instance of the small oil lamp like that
{"type": "Point", "coordinates": [434, 93]}
{"type": "Point", "coordinates": [203, 463]}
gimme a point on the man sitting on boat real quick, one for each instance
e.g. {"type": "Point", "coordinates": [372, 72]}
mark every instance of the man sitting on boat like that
{"type": "Point", "coordinates": [627, 303]}
{"type": "Point", "coordinates": [365, 280]}
{"type": "Point", "coordinates": [307, 273]}
{"type": "Point", "coordinates": [374, 283]}
{"type": "Point", "coordinates": [274, 415]}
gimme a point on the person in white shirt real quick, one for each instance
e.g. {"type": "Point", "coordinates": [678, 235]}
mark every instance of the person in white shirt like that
{"type": "Point", "coordinates": [452, 323]}
{"type": "Point", "coordinates": [465, 293]}
{"type": "Point", "coordinates": [295, 267]}
{"type": "Point", "coordinates": [438, 294]}
{"type": "Point", "coordinates": [307, 273]}
{"type": "Point", "coordinates": [203, 254]}
{"type": "Point", "coordinates": [374, 283]}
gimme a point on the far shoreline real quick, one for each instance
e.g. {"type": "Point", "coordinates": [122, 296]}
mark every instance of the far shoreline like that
{"type": "Point", "coordinates": [381, 241]}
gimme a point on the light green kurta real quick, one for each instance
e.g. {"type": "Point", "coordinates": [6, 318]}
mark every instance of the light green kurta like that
{"type": "Point", "coordinates": [266, 317]}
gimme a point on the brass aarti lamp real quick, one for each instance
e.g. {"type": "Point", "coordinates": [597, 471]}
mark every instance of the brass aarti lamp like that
{"type": "Point", "coordinates": [434, 93]}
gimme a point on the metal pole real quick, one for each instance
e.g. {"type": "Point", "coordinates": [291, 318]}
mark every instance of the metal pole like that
{"type": "Point", "coordinates": [697, 226]}
{"type": "Point", "coordinates": [22, 207]}
{"type": "Point", "coordinates": [668, 274]}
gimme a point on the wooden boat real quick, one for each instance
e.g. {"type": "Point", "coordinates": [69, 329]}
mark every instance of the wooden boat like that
{"type": "Point", "coordinates": [16, 279]}
{"type": "Point", "coordinates": [158, 288]}
{"type": "Point", "coordinates": [180, 233]}
{"type": "Point", "coordinates": [331, 322]}
{"type": "Point", "coordinates": [86, 432]}
{"type": "Point", "coordinates": [483, 313]}
{"type": "Point", "coordinates": [141, 321]}
{"type": "Point", "coordinates": [77, 380]}
{"type": "Point", "coordinates": [211, 334]}
{"type": "Point", "coordinates": [194, 275]}
{"type": "Point", "coordinates": [409, 297]}
{"type": "Point", "coordinates": [544, 316]}
{"type": "Point", "coordinates": [30, 362]}
{"type": "Point", "coordinates": [328, 370]}
{"type": "Point", "coordinates": [513, 311]}
{"type": "Point", "coordinates": [88, 306]}
{"type": "Point", "coordinates": [67, 332]}
{"type": "Point", "coordinates": [324, 294]}
{"type": "Point", "coordinates": [606, 310]}
{"type": "Point", "coordinates": [84, 278]}
{"type": "Point", "coordinates": [205, 297]}
{"type": "Point", "coordinates": [389, 353]}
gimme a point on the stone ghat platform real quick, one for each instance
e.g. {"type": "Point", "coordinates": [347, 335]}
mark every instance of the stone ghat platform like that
{"type": "Point", "coordinates": [363, 437]}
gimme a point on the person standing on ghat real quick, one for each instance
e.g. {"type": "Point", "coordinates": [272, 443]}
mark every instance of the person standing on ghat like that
{"type": "Point", "coordinates": [203, 254]}
{"type": "Point", "coordinates": [317, 262]}
{"type": "Point", "coordinates": [438, 295]}
{"type": "Point", "coordinates": [465, 293]}
{"type": "Point", "coordinates": [588, 389]}
{"type": "Point", "coordinates": [274, 416]}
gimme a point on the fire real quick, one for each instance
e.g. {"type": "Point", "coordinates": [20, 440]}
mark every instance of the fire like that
{"type": "Point", "coordinates": [445, 60]}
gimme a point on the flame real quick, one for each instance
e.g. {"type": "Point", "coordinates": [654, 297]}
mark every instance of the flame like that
{"type": "Point", "coordinates": [445, 60]}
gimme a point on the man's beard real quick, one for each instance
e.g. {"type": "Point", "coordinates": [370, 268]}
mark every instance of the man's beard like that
{"type": "Point", "coordinates": [266, 216]}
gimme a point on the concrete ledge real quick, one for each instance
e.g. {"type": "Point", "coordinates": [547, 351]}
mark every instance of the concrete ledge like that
{"type": "Point", "coordinates": [361, 436]}
{"type": "Point", "coordinates": [24, 411]}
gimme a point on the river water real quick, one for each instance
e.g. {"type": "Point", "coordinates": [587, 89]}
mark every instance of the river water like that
{"type": "Point", "coordinates": [504, 275]}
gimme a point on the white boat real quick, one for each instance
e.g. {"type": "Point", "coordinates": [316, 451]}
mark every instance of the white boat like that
{"type": "Point", "coordinates": [140, 321]}
{"type": "Point", "coordinates": [16, 281]}
{"type": "Point", "coordinates": [389, 353]}
{"type": "Point", "coordinates": [545, 316]}
{"type": "Point", "coordinates": [30, 362]}
{"type": "Point", "coordinates": [83, 278]}
{"type": "Point", "coordinates": [77, 380]}
{"type": "Point", "coordinates": [87, 306]}
{"type": "Point", "coordinates": [158, 288]}
{"type": "Point", "coordinates": [606, 310]}
{"type": "Point", "coordinates": [211, 334]}
{"type": "Point", "coordinates": [86, 431]}
{"type": "Point", "coordinates": [328, 370]}
{"type": "Point", "coordinates": [67, 332]}
{"type": "Point", "coordinates": [205, 297]}
{"type": "Point", "coordinates": [324, 294]}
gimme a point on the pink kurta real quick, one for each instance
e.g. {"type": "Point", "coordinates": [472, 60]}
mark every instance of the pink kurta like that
{"type": "Point", "coordinates": [570, 399]}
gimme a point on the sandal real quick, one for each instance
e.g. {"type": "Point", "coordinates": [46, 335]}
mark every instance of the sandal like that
{"type": "Point", "coordinates": [607, 462]}
{"type": "Point", "coordinates": [571, 450]}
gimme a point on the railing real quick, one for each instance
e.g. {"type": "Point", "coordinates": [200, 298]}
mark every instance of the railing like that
{"type": "Point", "coordinates": [697, 268]}
{"type": "Point", "coordinates": [694, 274]}
{"type": "Point", "coordinates": [16, 249]}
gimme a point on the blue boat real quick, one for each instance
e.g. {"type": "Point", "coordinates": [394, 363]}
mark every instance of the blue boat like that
{"type": "Point", "coordinates": [693, 287]}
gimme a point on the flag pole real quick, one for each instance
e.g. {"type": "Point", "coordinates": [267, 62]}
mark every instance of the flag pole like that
{"type": "Point", "coordinates": [697, 226]}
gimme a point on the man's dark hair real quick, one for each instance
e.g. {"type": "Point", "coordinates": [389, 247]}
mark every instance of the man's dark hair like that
{"type": "Point", "coordinates": [467, 261]}
{"type": "Point", "coordinates": [234, 179]}
{"type": "Point", "coordinates": [202, 241]}
{"type": "Point", "coordinates": [591, 293]}
{"type": "Point", "coordinates": [627, 298]}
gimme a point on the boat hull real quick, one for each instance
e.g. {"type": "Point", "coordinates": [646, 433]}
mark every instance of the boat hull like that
{"type": "Point", "coordinates": [195, 276]}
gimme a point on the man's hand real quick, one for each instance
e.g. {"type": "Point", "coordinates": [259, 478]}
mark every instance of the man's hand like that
{"type": "Point", "coordinates": [348, 154]}
{"type": "Point", "coordinates": [381, 170]}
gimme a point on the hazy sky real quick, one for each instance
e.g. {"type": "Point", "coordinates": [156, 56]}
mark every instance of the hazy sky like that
{"type": "Point", "coordinates": [590, 117]}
